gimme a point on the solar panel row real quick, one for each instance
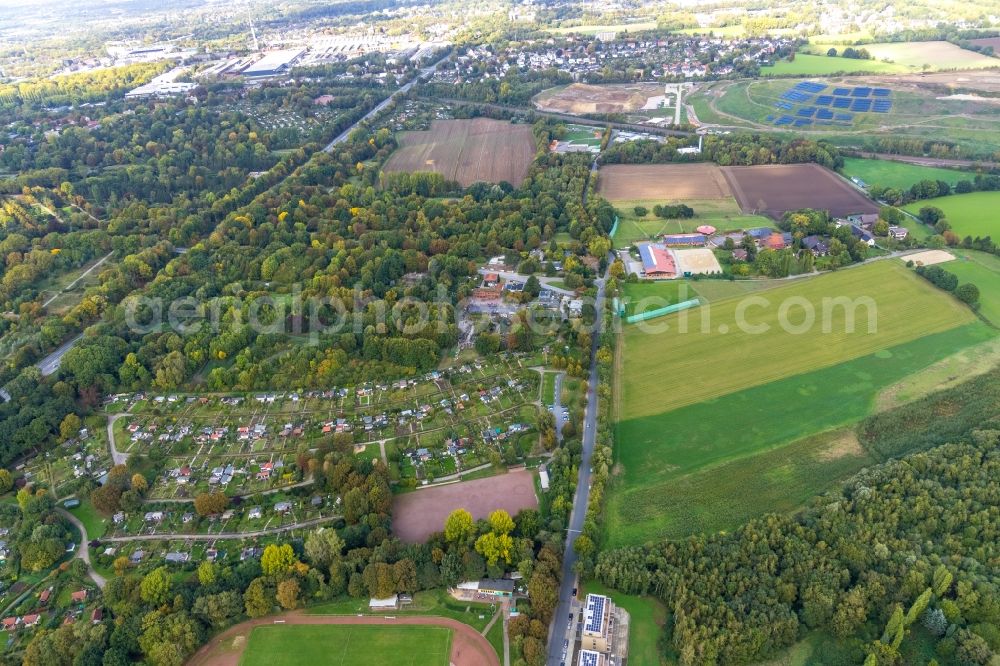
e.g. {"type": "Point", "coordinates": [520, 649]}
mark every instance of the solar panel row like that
{"type": "Point", "coordinates": [861, 105]}
{"type": "Point", "coordinates": [841, 91]}
{"type": "Point", "coordinates": [861, 92]}
{"type": "Point", "coordinates": [841, 102]}
{"type": "Point", "coordinates": [880, 92]}
{"type": "Point", "coordinates": [806, 111]}
{"type": "Point", "coordinates": [799, 122]}
{"type": "Point", "coordinates": [824, 114]}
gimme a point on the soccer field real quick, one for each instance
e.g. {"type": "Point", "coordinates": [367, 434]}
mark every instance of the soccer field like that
{"type": "Point", "coordinates": [969, 214]}
{"type": "Point", "coordinates": [348, 645]}
{"type": "Point", "coordinates": [666, 368]}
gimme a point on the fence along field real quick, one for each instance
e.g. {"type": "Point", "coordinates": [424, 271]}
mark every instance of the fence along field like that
{"type": "Point", "coordinates": [467, 151]}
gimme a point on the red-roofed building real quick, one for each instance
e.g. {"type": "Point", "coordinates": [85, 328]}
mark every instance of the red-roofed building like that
{"type": "Point", "coordinates": [79, 596]}
{"type": "Point", "coordinates": [657, 261]}
{"type": "Point", "coordinates": [31, 620]}
{"type": "Point", "coordinates": [775, 242]}
{"type": "Point", "coordinates": [9, 623]}
{"type": "Point", "coordinates": [491, 279]}
{"type": "Point", "coordinates": [43, 598]}
{"type": "Point", "coordinates": [97, 615]}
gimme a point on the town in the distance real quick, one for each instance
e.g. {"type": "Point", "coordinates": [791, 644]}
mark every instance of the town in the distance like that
{"type": "Point", "coordinates": [499, 333]}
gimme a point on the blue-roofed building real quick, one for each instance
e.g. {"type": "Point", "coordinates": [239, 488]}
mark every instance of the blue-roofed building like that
{"type": "Point", "coordinates": [759, 232]}
{"type": "Point", "coordinates": [685, 239]}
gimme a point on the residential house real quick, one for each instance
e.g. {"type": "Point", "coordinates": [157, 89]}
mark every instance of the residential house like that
{"type": "Point", "coordinates": [863, 235]}
{"type": "Point", "coordinates": [30, 620]}
{"type": "Point", "coordinates": [899, 233]}
{"type": "Point", "coordinates": [79, 597]}
{"type": "Point", "coordinates": [254, 513]}
{"type": "Point", "coordinates": [817, 245]}
{"type": "Point", "coordinates": [282, 507]}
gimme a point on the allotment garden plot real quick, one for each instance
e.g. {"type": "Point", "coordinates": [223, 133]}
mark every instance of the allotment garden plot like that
{"type": "Point", "coordinates": [467, 151]}
{"type": "Point", "coordinates": [440, 424]}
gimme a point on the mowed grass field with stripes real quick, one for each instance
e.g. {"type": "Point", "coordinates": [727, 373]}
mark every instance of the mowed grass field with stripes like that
{"type": "Point", "coordinates": [714, 428]}
{"type": "Point", "coordinates": [350, 645]}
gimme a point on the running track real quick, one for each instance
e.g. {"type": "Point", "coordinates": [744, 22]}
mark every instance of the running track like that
{"type": "Point", "coordinates": [468, 646]}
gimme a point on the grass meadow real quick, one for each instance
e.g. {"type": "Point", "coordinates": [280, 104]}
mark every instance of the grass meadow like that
{"type": "Point", "coordinates": [665, 368]}
{"type": "Point", "coordinates": [723, 214]}
{"type": "Point", "coordinates": [716, 428]}
{"type": "Point", "coordinates": [969, 214]}
{"type": "Point", "coordinates": [806, 64]}
{"type": "Point", "coordinates": [983, 270]}
{"type": "Point", "coordinates": [356, 645]}
{"type": "Point", "coordinates": [712, 465]}
{"type": "Point", "coordinates": [899, 175]}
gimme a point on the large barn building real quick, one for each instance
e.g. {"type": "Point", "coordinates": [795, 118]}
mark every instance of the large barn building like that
{"type": "Point", "coordinates": [657, 261]}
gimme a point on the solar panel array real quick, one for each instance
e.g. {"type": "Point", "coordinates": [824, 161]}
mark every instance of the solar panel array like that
{"type": "Point", "coordinates": [804, 106]}
{"type": "Point", "coordinates": [589, 658]}
{"type": "Point", "coordinates": [595, 612]}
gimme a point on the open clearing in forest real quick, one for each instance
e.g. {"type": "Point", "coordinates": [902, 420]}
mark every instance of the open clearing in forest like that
{"type": "Point", "coordinates": [665, 183]}
{"type": "Point", "coordinates": [417, 515]}
{"type": "Point", "coordinates": [295, 645]}
{"type": "Point", "coordinates": [467, 151]}
{"type": "Point", "coordinates": [716, 428]}
{"type": "Point", "coordinates": [774, 189]}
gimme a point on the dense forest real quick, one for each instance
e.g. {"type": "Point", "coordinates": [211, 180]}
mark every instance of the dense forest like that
{"type": "Point", "coordinates": [738, 150]}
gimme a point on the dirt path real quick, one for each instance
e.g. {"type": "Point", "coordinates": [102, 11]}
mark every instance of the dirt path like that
{"type": "Point", "coordinates": [468, 647]}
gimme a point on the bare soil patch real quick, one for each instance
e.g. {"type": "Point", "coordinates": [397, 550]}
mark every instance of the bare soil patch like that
{"type": "Point", "coordinates": [586, 98]}
{"type": "Point", "coordinates": [467, 151]}
{"type": "Point", "coordinates": [774, 189]}
{"type": "Point", "coordinates": [417, 515]}
{"type": "Point", "coordinates": [664, 182]}
{"type": "Point", "coordinates": [929, 257]}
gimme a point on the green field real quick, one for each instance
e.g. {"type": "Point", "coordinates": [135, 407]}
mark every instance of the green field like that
{"type": "Point", "coordinates": [726, 358]}
{"type": "Point", "coordinates": [712, 465]}
{"type": "Point", "coordinates": [647, 617]}
{"type": "Point", "coordinates": [549, 388]}
{"type": "Point", "coordinates": [295, 645]}
{"type": "Point", "coordinates": [715, 428]}
{"type": "Point", "coordinates": [645, 296]}
{"type": "Point", "coordinates": [821, 65]}
{"type": "Point", "coordinates": [91, 519]}
{"type": "Point", "coordinates": [899, 175]}
{"type": "Point", "coordinates": [969, 214]}
{"type": "Point", "coordinates": [918, 56]}
{"type": "Point", "coordinates": [723, 214]}
{"type": "Point", "coordinates": [983, 270]}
